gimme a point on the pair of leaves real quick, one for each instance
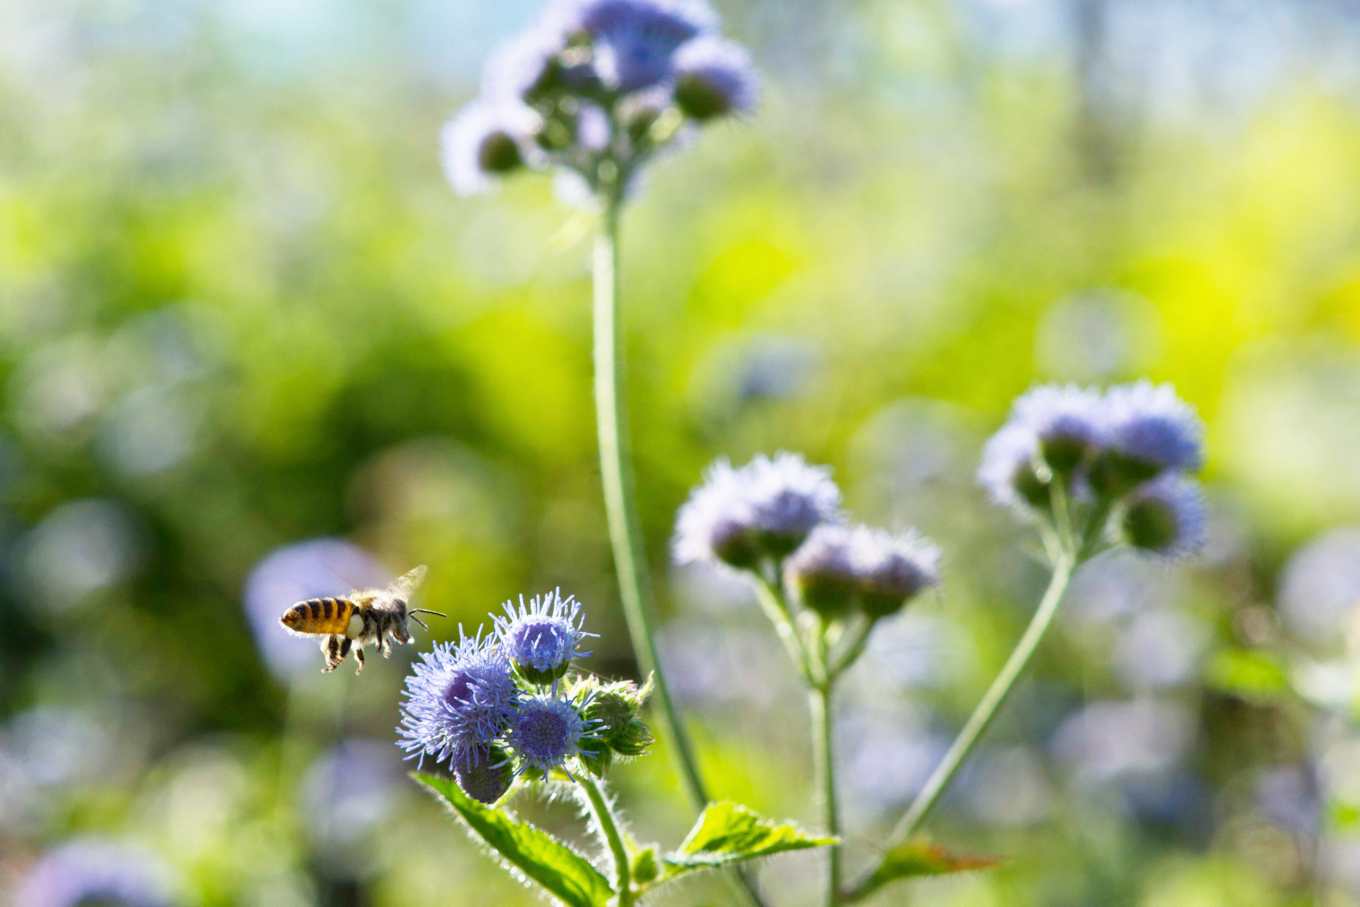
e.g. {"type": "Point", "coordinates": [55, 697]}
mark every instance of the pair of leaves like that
{"type": "Point", "coordinates": [725, 833]}
{"type": "Point", "coordinates": [915, 858]}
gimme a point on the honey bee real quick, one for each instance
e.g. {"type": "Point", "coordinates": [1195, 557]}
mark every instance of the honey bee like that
{"type": "Point", "coordinates": [364, 617]}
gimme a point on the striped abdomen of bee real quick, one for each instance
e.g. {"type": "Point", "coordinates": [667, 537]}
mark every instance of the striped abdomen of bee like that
{"type": "Point", "coordinates": [319, 616]}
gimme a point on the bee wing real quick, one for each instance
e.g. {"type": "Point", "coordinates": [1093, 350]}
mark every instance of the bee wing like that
{"type": "Point", "coordinates": [404, 586]}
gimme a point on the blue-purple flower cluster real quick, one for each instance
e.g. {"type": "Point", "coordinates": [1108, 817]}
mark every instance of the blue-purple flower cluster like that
{"type": "Point", "coordinates": [779, 517]}
{"type": "Point", "coordinates": [491, 707]}
{"type": "Point", "coordinates": [1123, 454]}
{"type": "Point", "coordinates": [594, 88]}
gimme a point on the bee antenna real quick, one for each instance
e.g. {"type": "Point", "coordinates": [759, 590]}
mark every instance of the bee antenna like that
{"type": "Point", "coordinates": [426, 611]}
{"type": "Point", "coordinates": [417, 620]}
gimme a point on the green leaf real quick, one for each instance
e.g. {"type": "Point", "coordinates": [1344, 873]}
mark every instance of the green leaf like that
{"type": "Point", "coordinates": [913, 859]}
{"type": "Point", "coordinates": [730, 833]}
{"type": "Point", "coordinates": [524, 849]}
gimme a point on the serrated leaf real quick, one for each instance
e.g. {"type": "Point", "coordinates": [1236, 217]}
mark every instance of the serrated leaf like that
{"type": "Point", "coordinates": [916, 858]}
{"type": "Point", "coordinates": [526, 849]}
{"type": "Point", "coordinates": [730, 833]}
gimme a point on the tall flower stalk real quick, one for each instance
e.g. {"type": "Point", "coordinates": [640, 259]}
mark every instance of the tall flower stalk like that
{"type": "Point", "coordinates": [616, 473]}
{"type": "Point", "coordinates": [595, 90]}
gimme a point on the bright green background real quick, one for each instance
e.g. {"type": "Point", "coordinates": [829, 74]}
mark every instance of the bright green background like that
{"type": "Point", "coordinates": [240, 308]}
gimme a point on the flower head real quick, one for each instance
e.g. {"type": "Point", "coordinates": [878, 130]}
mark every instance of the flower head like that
{"type": "Point", "coordinates": [1067, 420]}
{"type": "Point", "coordinates": [458, 699]}
{"type": "Point", "coordinates": [713, 77]}
{"type": "Point", "coordinates": [1166, 517]}
{"type": "Point", "coordinates": [542, 637]}
{"type": "Point", "coordinates": [765, 509]}
{"type": "Point", "coordinates": [595, 89]}
{"type": "Point", "coordinates": [1150, 431]}
{"type": "Point", "coordinates": [1008, 469]}
{"type": "Point", "coordinates": [95, 871]}
{"type": "Point", "coordinates": [789, 499]}
{"type": "Point", "coordinates": [823, 570]}
{"type": "Point", "coordinates": [634, 42]}
{"type": "Point", "coordinates": [894, 567]}
{"type": "Point", "coordinates": [546, 732]}
{"type": "Point", "coordinates": [486, 140]}
{"type": "Point", "coordinates": [840, 567]}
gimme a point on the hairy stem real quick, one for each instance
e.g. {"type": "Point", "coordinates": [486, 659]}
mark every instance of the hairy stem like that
{"type": "Point", "coordinates": [991, 703]}
{"type": "Point", "coordinates": [621, 509]}
{"type": "Point", "coordinates": [609, 830]}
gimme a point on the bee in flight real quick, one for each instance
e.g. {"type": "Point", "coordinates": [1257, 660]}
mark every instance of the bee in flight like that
{"type": "Point", "coordinates": [364, 617]}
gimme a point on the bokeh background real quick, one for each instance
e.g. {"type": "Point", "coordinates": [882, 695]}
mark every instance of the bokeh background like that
{"type": "Point", "coordinates": [252, 348]}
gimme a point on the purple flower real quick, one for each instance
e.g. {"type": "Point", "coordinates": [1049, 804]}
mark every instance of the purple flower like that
{"type": "Point", "coordinates": [1067, 420]}
{"type": "Point", "coordinates": [1008, 470]}
{"type": "Point", "coordinates": [542, 637]}
{"type": "Point", "coordinates": [458, 699]}
{"type": "Point", "coordinates": [1151, 430]}
{"type": "Point", "coordinates": [765, 509]}
{"type": "Point", "coordinates": [1166, 517]}
{"type": "Point", "coordinates": [546, 732]}
{"type": "Point", "coordinates": [95, 871]}
{"type": "Point", "coordinates": [840, 567]}
{"type": "Point", "coordinates": [634, 42]}
{"type": "Point", "coordinates": [485, 141]}
{"type": "Point", "coordinates": [714, 77]}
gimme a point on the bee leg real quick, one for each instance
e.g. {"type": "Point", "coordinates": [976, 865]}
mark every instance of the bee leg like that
{"type": "Point", "coordinates": [331, 649]}
{"type": "Point", "coordinates": [359, 657]}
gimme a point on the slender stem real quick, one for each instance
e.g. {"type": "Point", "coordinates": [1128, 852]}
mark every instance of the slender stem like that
{"type": "Point", "coordinates": [621, 510]}
{"type": "Point", "coordinates": [991, 702]}
{"type": "Point", "coordinates": [819, 703]}
{"type": "Point", "coordinates": [620, 507]}
{"type": "Point", "coordinates": [852, 650]}
{"type": "Point", "coordinates": [609, 830]}
{"type": "Point", "coordinates": [777, 609]}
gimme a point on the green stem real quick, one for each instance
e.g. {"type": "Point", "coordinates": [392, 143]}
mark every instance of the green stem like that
{"type": "Point", "coordinates": [853, 649]}
{"type": "Point", "coordinates": [819, 702]}
{"type": "Point", "coordinates": [609, 830]}
{"type": "Point", "coordinates": [621, 510]}
{"type": "Point", "coordinates": [777, 609]}
{"type": "Point", "coordinates": [620, 507]}
{"type": "Point", "coordinates": [991, 702]}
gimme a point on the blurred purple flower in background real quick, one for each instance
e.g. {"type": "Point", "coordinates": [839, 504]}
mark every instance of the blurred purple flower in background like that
{"type": "Point", "coordinates": [95, 871]}
{"type": "Point", "coordinates": [1319, 598]}
{"type": "Point", "coordinates": [318, 567]}
{"type": "Point", "coordinates": [348, 791]}
{"type": "Point", "coordinates": [1110, 740]}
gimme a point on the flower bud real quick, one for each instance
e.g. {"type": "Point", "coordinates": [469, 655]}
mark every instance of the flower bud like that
{"type": "Point", "coordinates": [615, 710]}
{"type": "Point", "coordinates": [1166, 517]}
{"type": "Point", "coordinates": [489, 778]}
